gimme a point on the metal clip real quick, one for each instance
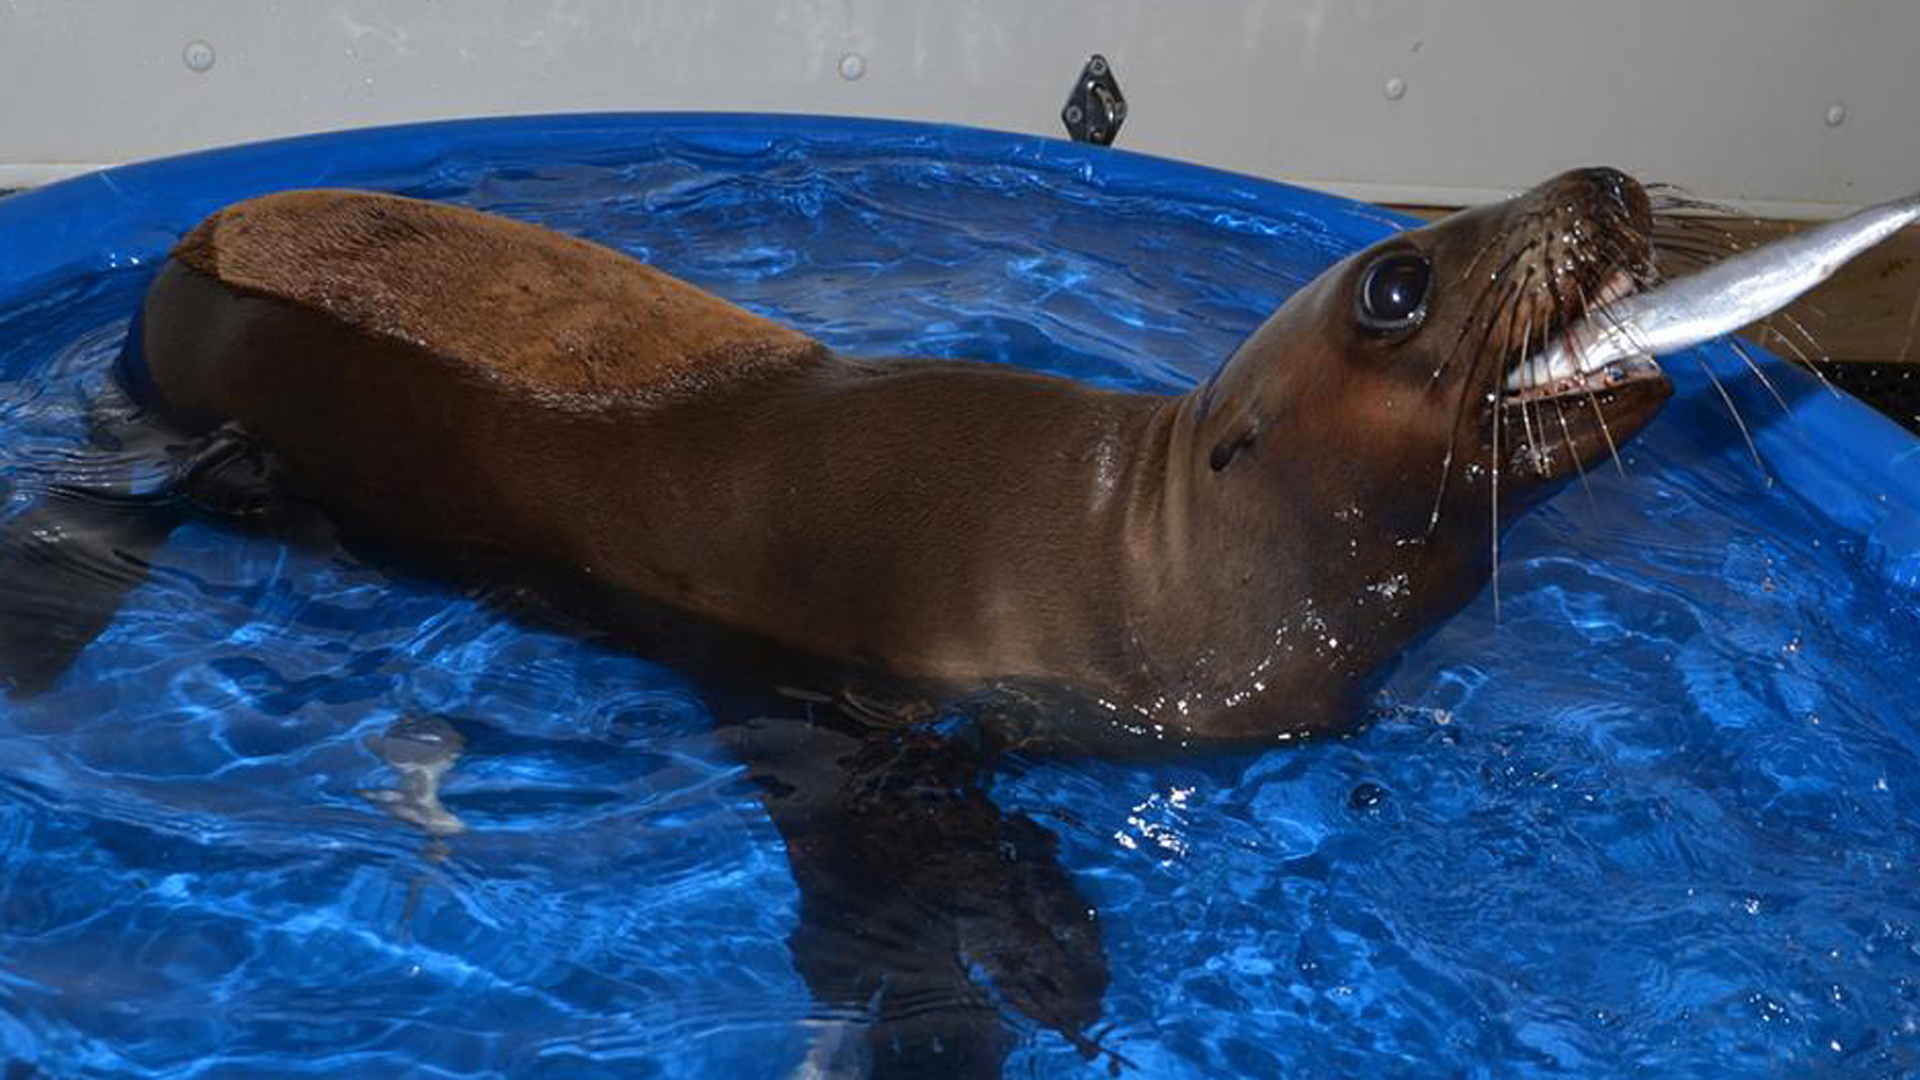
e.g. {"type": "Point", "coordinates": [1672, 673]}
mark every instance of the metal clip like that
{"type": "Point", "coordinates": [1095, 108]}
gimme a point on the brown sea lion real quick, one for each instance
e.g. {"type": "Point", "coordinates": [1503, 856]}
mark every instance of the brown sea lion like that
{"type": "Point", "coordinates": [1227, 567]}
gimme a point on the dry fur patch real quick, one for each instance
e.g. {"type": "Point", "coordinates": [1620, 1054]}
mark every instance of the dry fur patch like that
{"type": "Point", "coordinates": [559, 316]}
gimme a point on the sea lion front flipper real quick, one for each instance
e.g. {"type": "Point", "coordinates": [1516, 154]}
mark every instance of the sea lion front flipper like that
{"type": "Point", "coordinates": [911, 882]}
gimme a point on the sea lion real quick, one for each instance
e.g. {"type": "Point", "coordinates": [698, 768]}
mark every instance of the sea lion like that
{"type": "Point", "coordinates": [1080, 569]}
{"type": "Point", "coordinates": [1103, 570]}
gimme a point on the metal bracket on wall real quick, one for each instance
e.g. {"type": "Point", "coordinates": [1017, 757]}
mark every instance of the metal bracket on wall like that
{"type": "Point", "coordinates": [1095, 108]}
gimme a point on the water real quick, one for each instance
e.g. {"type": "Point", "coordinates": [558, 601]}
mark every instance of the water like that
{"type": "Point", "coordinates": [1657, 819]}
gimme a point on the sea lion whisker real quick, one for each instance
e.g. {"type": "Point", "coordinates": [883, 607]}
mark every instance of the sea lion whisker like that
{"type": "Point", "coordinates": [1691, 257]}
{"type": "Point", "coordinates": [1676, 206]}
{"type": "Point", "coordinates": [1524, 224]}
{"type": "Point", "coordinates": [1518, 357]}
{"type": "Point", "coordinates": [1799, 354]}
{"type": "Point", "coordinates": [1693, 244]}
{"type": "Point", "coordinates": [1633, 253]}
{"type": "Point", "coordinates": [1590, 311]}
{"type": "Point", "coordinates": [1497, 373]}
{"type": "Point", "coordinates": [1700, 228]}
{"type": "Point", "coordinates": [1739, 350]}
{"type": "Point", "coordinates": [1559, 410]}
{"type": "Point", "coordinates": [1506, 294]}
{"type": "Point", "coordinates": [1446, 462]}
{"type": "Point", "coordinates": [1496, 364]}
{"type": "Point", "coordinates": [1701, 248]}
{"type": "Point", "coordinates": [1495, 287]}
{"type": "Point", "coordinates": [1461, 404]}
{"type": "Point", "coordinates": [1812, 308]}
{"type": "Point", "coordinates": [1620, 247]}
{"type": "Point", "coordinates": [1677, 242]}
{"type": "Point", "coordinates": [1787, 317]}
{"type": "Point", "coordinates": [1734, 411]}
{"type": "Point", "coordinates": [1666, 202]}
{"type": "Point", "coordinates": [1692, 228]}
{"type": "Point", "coordinates": [1662, 189]}
{"type": "Point", "coordinates": [1494, 291]}
{"type": "Point", "coordinates": [1499, 423]}
{"type": "Point", "coordinates": [1599, 414]}
{"type": "Point", "coordinates": [1799, 357]}
{"type": "Point", "coordinates": [1496, 281]}
{"type": "Point", "coordinates": [1566, 432]}
{"type": "Point", "coordinates": [1542, 459]}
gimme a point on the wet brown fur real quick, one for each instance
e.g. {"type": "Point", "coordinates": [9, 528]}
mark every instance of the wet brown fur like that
{"type": "Point", "coordinates": [1230, 566]}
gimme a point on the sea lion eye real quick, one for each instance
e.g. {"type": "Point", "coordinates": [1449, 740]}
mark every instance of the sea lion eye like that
{"type": "Point", "coordinates": [1393, 292]}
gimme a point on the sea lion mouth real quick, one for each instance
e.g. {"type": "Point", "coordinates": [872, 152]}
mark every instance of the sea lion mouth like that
{"type": "Point", "coordinates": [1559, 370]}
{"type": "Point", "coordinates": [1564, 405]}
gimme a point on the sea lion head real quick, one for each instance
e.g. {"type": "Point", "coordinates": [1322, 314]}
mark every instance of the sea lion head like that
{"type": "Point", "coordinates": [1411, 355]}
{"type": "Point", "coordinates": [1349, 469]}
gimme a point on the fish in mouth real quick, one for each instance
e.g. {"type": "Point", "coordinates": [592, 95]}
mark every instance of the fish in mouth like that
{"type": "Point", "coordinates": [1557, 372]}
{"type": "Point", "coordinates": [1540, 388]}
{"type": "Point", "coordinates": [1637, 314]}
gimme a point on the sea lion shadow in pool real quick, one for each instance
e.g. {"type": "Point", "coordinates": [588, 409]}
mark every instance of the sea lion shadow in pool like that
{"type": "Point", "coordinates": [1082, 570]}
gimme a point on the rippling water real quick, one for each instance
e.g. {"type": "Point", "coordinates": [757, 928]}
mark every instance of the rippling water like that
{"type": "Point", "coordinates": [1656, 819]}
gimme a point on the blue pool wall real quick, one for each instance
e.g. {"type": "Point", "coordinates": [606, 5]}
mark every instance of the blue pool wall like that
{"type": "Point", "coordinates": [1857, 467]}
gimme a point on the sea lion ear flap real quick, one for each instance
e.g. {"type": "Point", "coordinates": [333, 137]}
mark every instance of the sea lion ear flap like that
{"type": "Point", "coordinates": [1233, 406]}
{"type": "Point", "coordinates": [1233, 428]}
{"type": "Point", "coordinates": [1230, 445]}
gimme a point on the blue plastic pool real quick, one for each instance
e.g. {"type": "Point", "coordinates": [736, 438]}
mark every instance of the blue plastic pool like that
{"type": "Point", "coordinates": [1658, 819]}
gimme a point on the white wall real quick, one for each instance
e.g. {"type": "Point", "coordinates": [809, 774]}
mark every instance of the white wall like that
{"type": "Point", "coordinates": [1728, 97]}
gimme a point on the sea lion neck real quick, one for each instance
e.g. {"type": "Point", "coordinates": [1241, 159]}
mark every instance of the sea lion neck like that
{"type": "Point", "coordinates": [1237, 640]}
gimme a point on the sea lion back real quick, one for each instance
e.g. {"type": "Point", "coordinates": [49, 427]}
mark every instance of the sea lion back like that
{"type": "Point", "coordinates": [530, 309]}
{"type": "Point", "coordinates": [426, 369]}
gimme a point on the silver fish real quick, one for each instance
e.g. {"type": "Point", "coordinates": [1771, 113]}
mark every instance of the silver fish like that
{"type": "Point", "coordinates": [1714, 300]}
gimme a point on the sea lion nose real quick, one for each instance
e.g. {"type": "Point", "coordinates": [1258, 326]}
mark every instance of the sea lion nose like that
{"type": "Point", "coordinates": [1612, 187]}
{"type": "Point", "coordinates": [1604, 177]}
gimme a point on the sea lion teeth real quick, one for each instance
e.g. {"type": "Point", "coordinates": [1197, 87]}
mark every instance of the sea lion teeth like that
{"type": "Point", "coordinates": [1612, 375]}
{"type": "Point", "coordinates": [1562, 368]}
{"type": "Point", "coordinates": [1723, 296]}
